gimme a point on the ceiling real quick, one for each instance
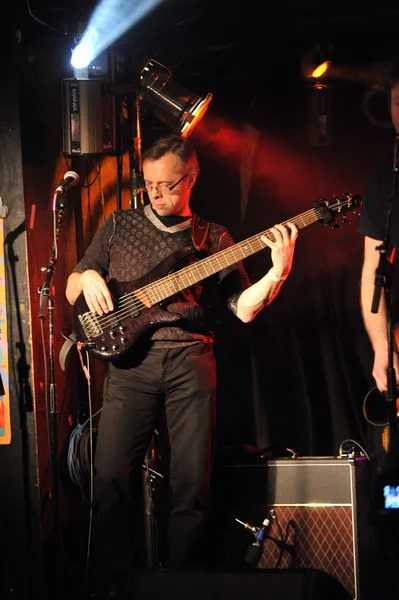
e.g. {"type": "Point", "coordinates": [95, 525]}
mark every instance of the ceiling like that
{"type": "Point", "coordinates": [206, 27]}
{"type": "Point", "coordinates": [220, 41]}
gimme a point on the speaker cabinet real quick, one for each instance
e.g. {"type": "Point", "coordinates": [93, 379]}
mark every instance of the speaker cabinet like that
{"type": "Point", "coordinates": [321, 517]}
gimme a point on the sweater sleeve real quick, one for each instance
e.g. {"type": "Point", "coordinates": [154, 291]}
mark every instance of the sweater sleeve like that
{"type": "Point", "coordinates": [232, 280]}
{"type": "Point", "coordinates": [96, 256]}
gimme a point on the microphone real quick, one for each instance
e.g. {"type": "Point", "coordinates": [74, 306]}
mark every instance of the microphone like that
{"type": "Point", "coordinates": [263, 530]}
{"type": "Point", "coordinates": [70, 180]}
{"type": "Point", "coordinates": [4, 210]}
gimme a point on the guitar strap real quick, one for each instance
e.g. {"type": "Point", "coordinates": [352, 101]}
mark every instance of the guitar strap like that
{"type": "Point", "coordinates": [199, 231]}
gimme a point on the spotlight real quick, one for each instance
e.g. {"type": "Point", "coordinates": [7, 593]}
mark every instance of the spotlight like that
{"type": "Point", "coordinates": [321, 69]}
{"type": "Point", "coordinates": [178, 108]}
{"type": "Point", "coordinates": [108, 22]}
{"type": "Point", "coordinates": [316, 61]}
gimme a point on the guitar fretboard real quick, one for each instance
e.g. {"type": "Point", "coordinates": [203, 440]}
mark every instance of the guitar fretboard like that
{"type": "Point", "coordinates": [184, 278]}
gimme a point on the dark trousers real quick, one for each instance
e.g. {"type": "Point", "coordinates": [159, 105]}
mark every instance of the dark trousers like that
{"type": "Point", "coordinates": [181, 382]}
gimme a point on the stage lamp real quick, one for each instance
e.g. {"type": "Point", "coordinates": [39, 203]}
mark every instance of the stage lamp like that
{"type": "Point", "coordinates": [321, 63]}
{"type": "Point", "coordinates": [178, 108]}
{"type": "Point", "coordinates": [321, 69]}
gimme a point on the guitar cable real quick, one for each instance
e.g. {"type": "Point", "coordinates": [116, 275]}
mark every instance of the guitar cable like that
{"type": "Point", "coordinates": [350, 453]}
{"type": "Point", "coordinates": [284, 545]}
{"type": "Point", "coordinates": [81, 458]}
{"type": "Point", "coordinates": [82, 438]}
{"type": "Point", "coordinates": [81, 446]}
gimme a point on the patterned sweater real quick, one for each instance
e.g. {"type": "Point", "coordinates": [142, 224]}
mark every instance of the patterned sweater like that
{"type": "Point", "coordinates": [132, 242]}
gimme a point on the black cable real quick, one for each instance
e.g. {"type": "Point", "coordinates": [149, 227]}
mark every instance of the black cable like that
{"type": "Point", "coordinates": [284, 547]}
{"type": "Point", "coordinates": [97, 166]}
{"type": "Point", "coordinates": [279, 527]}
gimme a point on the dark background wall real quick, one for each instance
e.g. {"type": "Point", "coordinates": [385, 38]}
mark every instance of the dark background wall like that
{"type": "Point", "coordinates": [297, 376]}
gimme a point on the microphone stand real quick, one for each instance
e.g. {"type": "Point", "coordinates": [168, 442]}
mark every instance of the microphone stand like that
{"type": "Point", "coordinates": [137, 198]}
{"type": "Point", "coordinates": [383, 279]}
{"type": "Point", "coordinates": [45, 292]}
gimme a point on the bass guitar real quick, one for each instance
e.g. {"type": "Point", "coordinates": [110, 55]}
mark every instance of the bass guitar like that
{"type": "Point", "coordinates": [138, 304]}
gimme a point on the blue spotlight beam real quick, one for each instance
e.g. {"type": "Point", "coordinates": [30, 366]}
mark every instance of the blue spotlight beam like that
{"type": "Point", "coordinates": [109, 21]}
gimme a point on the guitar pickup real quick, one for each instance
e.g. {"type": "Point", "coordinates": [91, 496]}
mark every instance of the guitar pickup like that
{"type": "Point", "coordinates": [113, 321]}
{"type": "Point", "coordinates": [134, 313]}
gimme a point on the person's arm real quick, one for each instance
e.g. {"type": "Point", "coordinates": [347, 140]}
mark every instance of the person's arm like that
{"type": "Point", "coordinates": [94, 289]}
{"type": "Point", "coordinates": [375, 323]}
{"type": "Point", "coordinates": [265, 290]}
{"type": "Point", "coordinates": [88, 277]}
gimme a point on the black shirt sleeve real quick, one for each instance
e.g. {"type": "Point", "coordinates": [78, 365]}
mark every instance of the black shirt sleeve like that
{"type": "Point", "coordinates": [96, 256]}
{"type": "Point", "coordinates": [372, 221]}
{"type": "Point", "coordinates": [233, 280]}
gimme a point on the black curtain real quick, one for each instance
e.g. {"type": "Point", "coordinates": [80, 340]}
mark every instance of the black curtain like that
{"type": "Point", "coordinates": [298, 374]}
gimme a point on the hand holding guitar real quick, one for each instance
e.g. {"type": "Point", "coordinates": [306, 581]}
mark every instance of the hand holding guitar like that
{"type": "Point", "coordinates": [281, 241]}
{"type": "Point", "coordinates": [375, 404]}
{"type": "Point", "coordinates": [380, 368]}
{"type": "Point", "coordinates": [96, 292]}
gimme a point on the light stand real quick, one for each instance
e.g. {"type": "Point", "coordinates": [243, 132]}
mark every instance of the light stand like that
{"type": "Point", "coordinates": [149, 475]}
{"type": "Point", "coordinates": [383, 279]}
{"type": "Point", "coordinates": [136, 164]}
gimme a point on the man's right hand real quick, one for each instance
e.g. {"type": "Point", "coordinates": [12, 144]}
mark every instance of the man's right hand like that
{"type": "Point", "coordinates": [96, 292]}
{"type": "Point", "coordinates": [380, 369]}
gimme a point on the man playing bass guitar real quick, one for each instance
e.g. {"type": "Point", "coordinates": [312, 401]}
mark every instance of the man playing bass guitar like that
{"type": "Point", "coordinates": [173, 367]}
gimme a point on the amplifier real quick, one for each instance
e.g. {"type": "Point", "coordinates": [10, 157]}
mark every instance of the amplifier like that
{"type": "Point", "coordinates": [321, 509]}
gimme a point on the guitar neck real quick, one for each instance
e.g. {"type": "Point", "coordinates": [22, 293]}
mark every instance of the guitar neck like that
{"type": "Point", "coordinates": [184, 278]}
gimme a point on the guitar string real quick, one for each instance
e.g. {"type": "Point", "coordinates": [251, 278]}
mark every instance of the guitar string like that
{"type": "Point", "coordinates": [130, 301]}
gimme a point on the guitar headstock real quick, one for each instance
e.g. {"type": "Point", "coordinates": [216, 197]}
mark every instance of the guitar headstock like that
{"type": "Point", "coordinates": [334, 213]}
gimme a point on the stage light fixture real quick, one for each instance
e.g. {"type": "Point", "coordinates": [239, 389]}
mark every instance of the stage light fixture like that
{"type": "Point", "coordinates": [177, 107]}
{"type": "Point", "coordinates": [88, 120]}
{"type": "Point", "coordinates": [321, 69]}
{"type": "Point", "coordinates": [316, 61]}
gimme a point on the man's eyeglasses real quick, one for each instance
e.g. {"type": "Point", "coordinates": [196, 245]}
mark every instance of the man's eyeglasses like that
{"type": "Point", "coordinates": [162, 187]}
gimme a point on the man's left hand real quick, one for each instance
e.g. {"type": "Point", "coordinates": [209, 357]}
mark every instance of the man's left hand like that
{"type": "Point", "coordinates": [282, 249]}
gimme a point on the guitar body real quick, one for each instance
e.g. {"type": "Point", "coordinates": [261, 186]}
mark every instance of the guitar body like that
{"type": "Point", "coordinates": [113, 335]}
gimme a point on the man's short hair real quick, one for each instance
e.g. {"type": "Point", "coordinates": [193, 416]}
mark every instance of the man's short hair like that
{"type": "Point", "coordinates": [177, 145]}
